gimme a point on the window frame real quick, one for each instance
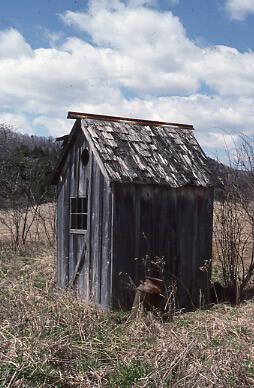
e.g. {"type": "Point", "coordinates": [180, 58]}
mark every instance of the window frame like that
{"type": "Point", "coordinates": [75, 230]}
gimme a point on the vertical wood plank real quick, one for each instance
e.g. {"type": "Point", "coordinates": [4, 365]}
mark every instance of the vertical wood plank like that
{"type": "Point", "coordinates": [176, 224]}
{"type": "Point", "coordinates": [106, 217]}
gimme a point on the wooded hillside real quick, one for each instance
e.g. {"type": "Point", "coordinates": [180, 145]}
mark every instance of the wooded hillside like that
{"type": "Point", "coordinates": [26, 163]}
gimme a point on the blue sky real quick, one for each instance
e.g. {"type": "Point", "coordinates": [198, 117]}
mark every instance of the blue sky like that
{"type": "Point", "coordinates": [175, 60]}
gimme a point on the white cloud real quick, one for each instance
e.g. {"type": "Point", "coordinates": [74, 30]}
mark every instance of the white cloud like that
{"type": "Point", "coordinates": [239, 9]}
{"type": "Point", "coordinates": [217, 140]}
{"type": "Point", "coordinates": [149, 51]}
{"type": "Point", "coordinates": [226, 71]}
{"type": "Point", "coordinates": [138, 62]}
{"type": "Point", "coordinates": [54, 125]}
{"type": "Point", "coordinates": [13, 45]}
{"type": "Point", "coordinates": [53, 37]}
{"type": "Point", "coordinates": [216, 120]}
{"type": "Point", "coordinates": [18, 121]}
{"type": "Point", "coordinates": [139, 3]}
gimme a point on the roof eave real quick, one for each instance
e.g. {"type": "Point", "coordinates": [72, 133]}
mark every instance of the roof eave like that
{"type": "Point", "coordinates": [95, 153]}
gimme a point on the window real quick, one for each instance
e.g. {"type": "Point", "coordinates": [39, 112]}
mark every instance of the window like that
{"type": "Point", "coordinates": [79, 208]}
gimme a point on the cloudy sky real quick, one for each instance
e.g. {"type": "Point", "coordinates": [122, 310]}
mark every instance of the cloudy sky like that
{"type": "Point", "coordinates": [176, 60]}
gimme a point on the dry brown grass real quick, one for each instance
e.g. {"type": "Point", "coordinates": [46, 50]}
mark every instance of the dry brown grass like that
{"type": "Point", "coordinates": [49, 340]}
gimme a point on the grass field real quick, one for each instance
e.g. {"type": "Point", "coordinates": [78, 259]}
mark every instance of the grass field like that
{"type": "Point", "coordinates": [48, 340]}
{"type": "Point", "coordinates": [52, 340]}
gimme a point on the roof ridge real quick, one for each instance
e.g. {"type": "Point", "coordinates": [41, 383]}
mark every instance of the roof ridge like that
{"type": "Point", "coordinates": [83, 115]}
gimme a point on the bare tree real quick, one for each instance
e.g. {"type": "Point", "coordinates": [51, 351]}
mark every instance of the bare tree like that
{"type": "Point", "coordinates": [234, 222]}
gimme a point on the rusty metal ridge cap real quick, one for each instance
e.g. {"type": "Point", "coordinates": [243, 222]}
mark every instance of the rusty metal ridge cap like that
{"type": "Point", "coordinates": [80, 115]}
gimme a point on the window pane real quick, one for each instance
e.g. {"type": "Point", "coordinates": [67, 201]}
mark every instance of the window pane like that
{"type": "Point", "coordinates": [84, 221]}
{"type": "Point", "coordinates": [73, 221]}
{"type": "Point", "coordinates": [73, 205]}
{"type": "Point", "coordinates": [79, 205]}
{"type": "Point", "coordinates": [85, 205]}
{"type": "Point", "coordinates": [79, 221]}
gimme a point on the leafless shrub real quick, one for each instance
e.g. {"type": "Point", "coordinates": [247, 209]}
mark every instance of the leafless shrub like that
{"type": "Point", "coordinates": [234, 222]}
{"type": "Point", "coordinates": [46, 223]}
{"type": "Point", "coordinates": [28, 224]}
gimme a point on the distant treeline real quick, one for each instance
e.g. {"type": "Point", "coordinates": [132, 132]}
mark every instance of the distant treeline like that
{"type": "Point", "coordinates": [26, 164]}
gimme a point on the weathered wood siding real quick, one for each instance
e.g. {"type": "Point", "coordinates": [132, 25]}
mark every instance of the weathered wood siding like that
{"type": "Point", "coordinates": [94, 280]}
{"type": "Point", "coordinates": [62, 226]}
{"type": "Point", "coordinates": [157, 221]}
{"type": "Point", "coordinates": [100, 237]}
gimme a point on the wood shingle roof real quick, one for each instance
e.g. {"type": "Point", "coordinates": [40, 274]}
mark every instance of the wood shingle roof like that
{"type": "Point", "coordinates": [150, 154]}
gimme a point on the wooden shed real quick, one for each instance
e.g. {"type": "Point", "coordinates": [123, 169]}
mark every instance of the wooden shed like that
{"type": "Point", "coordinates": [127, 190]}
